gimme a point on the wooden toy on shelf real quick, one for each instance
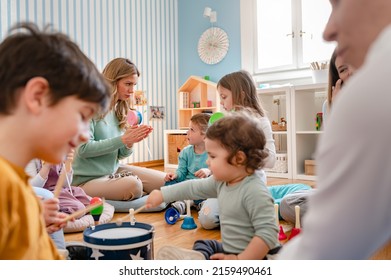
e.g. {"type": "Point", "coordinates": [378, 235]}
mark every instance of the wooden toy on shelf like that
{"type": "Point", "coordinates": [281, 126]}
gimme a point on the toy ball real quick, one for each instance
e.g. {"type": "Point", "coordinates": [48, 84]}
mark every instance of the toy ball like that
{"type": "Point", "coordinates": [214, 117]}
{"type": "Point", "coordinates": [97, 210]}
{"type": "Point", "coordinates": [134, 117]}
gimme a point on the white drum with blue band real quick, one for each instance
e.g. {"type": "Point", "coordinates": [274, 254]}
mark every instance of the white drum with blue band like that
{"type": "Point", "coordinates": [119, 242]}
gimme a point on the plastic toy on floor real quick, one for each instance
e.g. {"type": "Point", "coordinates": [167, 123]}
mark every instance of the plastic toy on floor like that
{"type": "Point", "coordinates": [172, 215]}
{"type": "Point", "coordinates": [281, 235]}
{"type": "Point", "coordinates": [296, 230]}
{"type": "Point", "coordinates": [188, 221]}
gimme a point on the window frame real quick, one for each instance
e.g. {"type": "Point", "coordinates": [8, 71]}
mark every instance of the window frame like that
{"type": "Point", "coordinates": [295, 73]}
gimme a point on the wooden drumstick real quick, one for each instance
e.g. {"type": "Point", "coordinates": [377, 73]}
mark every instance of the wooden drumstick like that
{"type": "Point", "coordinates": [132, 213]}
{"type": "Point", "coordinates": [60, 184]}
{"type": "Point", "coordinates": [83, 211]}
{"type": "Point", "coordinates": [276, 213]}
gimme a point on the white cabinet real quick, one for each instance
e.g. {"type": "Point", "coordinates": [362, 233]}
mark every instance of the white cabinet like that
{"type": "Point", "coordinates": [295, 137]}
{"type": "Point", "coordinates": [307, 101]}
{"type": "Point", "coordinates": [276, 103]}
{"type": "Point", "coordinates": [298, 105]}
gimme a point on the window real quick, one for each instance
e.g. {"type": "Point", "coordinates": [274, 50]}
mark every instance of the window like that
{"type": "Point", "coordinates": [287, 36]}
{"type": "Point", "coordinates": [274, 35]}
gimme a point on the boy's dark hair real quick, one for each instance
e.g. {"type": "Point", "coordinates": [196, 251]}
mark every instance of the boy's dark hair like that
{"type": "Point", "coordinates": [241, 131]}
{"type": "Point", "coordinates": [53, 56]}
{"type": "Point", "coordinates": [202, 120]}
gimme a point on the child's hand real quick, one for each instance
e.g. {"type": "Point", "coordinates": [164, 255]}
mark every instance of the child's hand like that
{"type": "Point", "coordinates": [203, 173]}
{"type": "Point", "coordinates": [155, 198]}
{"type": "Point", "coordinates": [50, 210]}
{"type": "Point", "coordinates": [170, 176]}
{"type": "Point", "coordinates": [53, 218]}
{"type": "Point", "coordinates": [59, 225]}
{"type": "Point", "coordinates": [70, 156]}
{"type": "Point", "coordinates": [69, 160]}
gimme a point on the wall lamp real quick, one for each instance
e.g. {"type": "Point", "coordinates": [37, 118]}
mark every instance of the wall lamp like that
{"type": "Point", "coordinates": [212, 15]}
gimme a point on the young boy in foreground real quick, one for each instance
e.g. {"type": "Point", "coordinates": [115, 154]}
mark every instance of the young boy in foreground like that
{"type": "Point", "coordinates": [49, 90]}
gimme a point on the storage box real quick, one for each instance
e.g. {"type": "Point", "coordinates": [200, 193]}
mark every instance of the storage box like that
{"type": "Point", "coordinates": [176, 142]}
{"type": "Point", "coordinates": [278, 127]}
{"type": "Point", "coordinates": [309, 167]}
{"type": "Point", "coordinates": [281, 165]}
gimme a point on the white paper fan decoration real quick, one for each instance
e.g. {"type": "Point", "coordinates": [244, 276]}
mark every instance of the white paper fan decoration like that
{"type": "Point", "coordinates": [213, 45]}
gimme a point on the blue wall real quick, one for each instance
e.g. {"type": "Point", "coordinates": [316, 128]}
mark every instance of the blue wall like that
{"type": "Point", "coordinates": [191, 24]}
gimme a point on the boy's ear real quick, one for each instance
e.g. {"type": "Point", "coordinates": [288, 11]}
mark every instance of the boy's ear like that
{"type": "Point", "coordinates": [36, 94]}
{"type": "Point", "coordinates": [240, 158]}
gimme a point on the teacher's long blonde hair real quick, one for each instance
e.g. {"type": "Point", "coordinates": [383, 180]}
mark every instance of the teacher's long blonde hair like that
{"type": "Point", "coordinates": [115, 70]}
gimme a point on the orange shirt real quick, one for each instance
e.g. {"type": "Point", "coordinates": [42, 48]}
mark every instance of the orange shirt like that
{"type": "Point", "coordinates": [22, 227]}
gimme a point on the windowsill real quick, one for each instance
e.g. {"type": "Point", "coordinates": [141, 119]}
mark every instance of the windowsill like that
{"type": "Point", "coordinates": [295, 77]}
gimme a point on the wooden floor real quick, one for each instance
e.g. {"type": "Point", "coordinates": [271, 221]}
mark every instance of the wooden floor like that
{"type": "Point", "coordinates": [166, 234]}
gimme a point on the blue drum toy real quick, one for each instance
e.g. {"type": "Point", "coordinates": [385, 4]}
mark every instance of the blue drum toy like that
{"type": "Point", "coordinates": [119, 242]}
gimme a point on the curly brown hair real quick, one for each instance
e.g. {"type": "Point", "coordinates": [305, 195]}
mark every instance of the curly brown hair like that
{"type": "Point", "coordinates": [241, 131]}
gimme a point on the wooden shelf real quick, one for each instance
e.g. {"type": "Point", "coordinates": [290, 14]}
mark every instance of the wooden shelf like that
{"type": "Point", "coordinates": [200, 91]}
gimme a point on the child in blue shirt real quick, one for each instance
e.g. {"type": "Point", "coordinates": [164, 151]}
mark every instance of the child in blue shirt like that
{"type": "Point", "coordinates": [192, 159]}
